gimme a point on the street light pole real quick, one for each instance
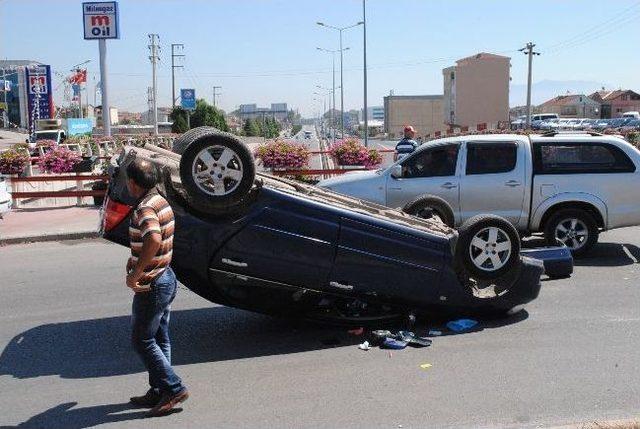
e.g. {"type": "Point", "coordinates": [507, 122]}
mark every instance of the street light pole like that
{"type": "Point", "coordinates": [340, 30]}
{"type": "Point", "coordinates": [366, 109]}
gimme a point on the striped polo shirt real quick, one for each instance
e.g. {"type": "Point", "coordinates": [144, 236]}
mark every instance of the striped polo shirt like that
{"type": "Point", "coordinates": [153, 214]}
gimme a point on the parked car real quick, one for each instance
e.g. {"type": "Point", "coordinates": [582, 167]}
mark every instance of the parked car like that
{"type": "Point", "coordinates": [5, 197]}
{"type": "Point", "coordinates": [632, 115]}
{"type": "Point", "coordinates": [521, 121]}
{"type": "Point", "coordinates": [632, 125]}
{"type": "Point", "coordinates": [266, 244]}
{"type": "Point", "coordinates": [569, 186]}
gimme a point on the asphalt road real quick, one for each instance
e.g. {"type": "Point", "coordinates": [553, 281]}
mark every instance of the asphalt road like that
{"type": "Point", "coordinates": [66, 361]}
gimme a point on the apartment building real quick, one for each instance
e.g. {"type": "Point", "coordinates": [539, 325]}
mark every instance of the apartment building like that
{"type": "Point", "coordinates": [423, 112]}
{"type": "Point", "coordinates": [476, 91]}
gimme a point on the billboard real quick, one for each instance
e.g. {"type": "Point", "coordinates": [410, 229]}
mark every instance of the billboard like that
{"type": "Point", "coordinates": [188, 99]}
{"type": "Point", "coordinates": [39, 94]}
{"type": "Point", "coordinates": [79, 126]}
{"type": "Point", "coordinates": [100, 20]}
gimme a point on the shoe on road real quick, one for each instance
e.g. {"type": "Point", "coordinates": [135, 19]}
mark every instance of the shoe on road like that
{"type": "Point", "coordinates": [167, 403]}
{"type": "Point", "coordinates": [149, 399]}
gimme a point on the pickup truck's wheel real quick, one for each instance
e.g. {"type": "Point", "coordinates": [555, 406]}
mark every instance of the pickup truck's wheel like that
{"type": "Point", "coordinates": [488, 247]}
{"type": "Point", "coordinates": [574, 228]}
{"type": "Point", "coordinates": [217, 170]}
{"type": "Point", "coordinates": [430, 207]}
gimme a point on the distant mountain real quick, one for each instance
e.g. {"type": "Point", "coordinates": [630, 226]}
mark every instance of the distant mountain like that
{"type": "Point", "coordinates": [547, 89]}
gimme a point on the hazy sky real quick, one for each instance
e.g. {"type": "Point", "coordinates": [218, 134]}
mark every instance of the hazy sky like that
{"type": "Point", "coordinates": [263, 51]}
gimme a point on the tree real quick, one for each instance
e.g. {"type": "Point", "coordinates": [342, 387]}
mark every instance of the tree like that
{"type": "Point", "coordinates": [251, 128]}
{"type": "Point", "coordinates": [206, 114]}
{"type": "Point", "coordinates": [179, 117]}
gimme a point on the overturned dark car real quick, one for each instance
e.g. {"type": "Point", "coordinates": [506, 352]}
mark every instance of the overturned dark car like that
{"type": "Point", "coordinates": [261, 243]}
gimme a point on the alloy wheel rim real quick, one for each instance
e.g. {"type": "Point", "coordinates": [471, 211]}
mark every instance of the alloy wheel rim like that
{"type": "Point", "coordinates": [490, 249]}
{"type": "Point", "coordinates": [217, 170]}
{"type": "Point", "coordinates": [572, 232]}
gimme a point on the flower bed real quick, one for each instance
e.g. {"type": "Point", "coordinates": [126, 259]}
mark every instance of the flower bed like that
{"type": "Point", "coordinates": [350, 152]}
{"type": "Point", "coordinates": [58, 160]}
{"type": "Point", "coordinates": [13, 161]}
{"type": "Point", "coordinates": [282, 154]}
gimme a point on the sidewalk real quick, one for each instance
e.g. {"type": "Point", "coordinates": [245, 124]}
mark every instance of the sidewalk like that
{"type": "Point", "coordinates": [29, 225]}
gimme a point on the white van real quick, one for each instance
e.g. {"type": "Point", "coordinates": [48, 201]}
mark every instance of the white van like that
{"type": "Point", "coordinates": [635, 115]}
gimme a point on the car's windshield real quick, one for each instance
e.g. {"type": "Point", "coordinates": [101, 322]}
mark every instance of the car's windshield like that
{"type": "Point", "coordinates": [47, 135]}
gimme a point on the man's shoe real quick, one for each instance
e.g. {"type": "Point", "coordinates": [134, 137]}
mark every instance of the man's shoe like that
{"type": "Point", "coordinates": [149, 399]}
{"type": "Point", "coordinates": [166, 404]}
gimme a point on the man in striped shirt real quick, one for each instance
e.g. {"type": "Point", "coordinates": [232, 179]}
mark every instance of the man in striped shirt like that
{"type": "Point", "coordinates": [154, 283]}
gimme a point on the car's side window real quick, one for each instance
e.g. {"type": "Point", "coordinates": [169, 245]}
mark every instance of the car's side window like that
{"type": "Point", "coordinates": [434, 162]}
{"type": "Point", "coordinates": [491, 158]}
{"type": "Point", "coordinates": [580, 158]}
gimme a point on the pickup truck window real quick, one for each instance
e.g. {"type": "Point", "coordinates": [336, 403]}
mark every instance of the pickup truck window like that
{"type": "Point", "coordinates": [490, 158]}
{"type": "Point", "coordinates": [580, 158]}
{"type": "Point", "coordinates": [434, 162]}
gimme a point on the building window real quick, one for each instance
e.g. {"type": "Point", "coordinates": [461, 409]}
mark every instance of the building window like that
{"type": "Point", "coordinates": [619, 110]}
{"type": "Point", "coordinates": [453, 76]}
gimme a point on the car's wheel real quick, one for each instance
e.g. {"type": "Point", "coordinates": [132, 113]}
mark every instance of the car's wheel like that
{"type": "Point", "coordinates": [217, 170]}
{"type": "Point", "coordinates": [488, 247]}
{"type": "Point", "coordinates": [181, 143]}
{"type": "Point", "coordinates": [574, 228]}
{"type": "Point", "coordinates": [430, 207]}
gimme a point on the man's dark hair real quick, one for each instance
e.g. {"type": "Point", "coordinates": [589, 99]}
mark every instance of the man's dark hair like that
{"type": "Point", "coordinates": [143, 173]}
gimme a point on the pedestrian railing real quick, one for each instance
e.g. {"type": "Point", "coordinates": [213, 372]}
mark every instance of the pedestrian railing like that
{"type": "Point", "coordinates": [19, 184]}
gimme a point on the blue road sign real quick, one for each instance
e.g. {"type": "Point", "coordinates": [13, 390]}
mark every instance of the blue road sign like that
{"type": "Point", "coordinates": [188, 99]}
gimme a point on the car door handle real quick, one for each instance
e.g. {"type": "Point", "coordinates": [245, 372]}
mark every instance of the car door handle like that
{"type": "Point", "coordinates": [449, 185]}
{"type": "Point", "coordinates": [395, 189]}
{"type": "Point", "coordinates": [340, 286]}
{"type": "Point", "coordinates": [234, 263]}
{"type": "Point", "coordinates": [512, 183]}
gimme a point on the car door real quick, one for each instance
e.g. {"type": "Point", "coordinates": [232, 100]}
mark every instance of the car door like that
{"type": "Point", "coordinates": [493, 180]}
{"type": "Point", "coordinates": [432, 171]}
{"type": "Point", "coordinates": [293, 245]}
{"type": "Point", "coordinates": [386, 261]}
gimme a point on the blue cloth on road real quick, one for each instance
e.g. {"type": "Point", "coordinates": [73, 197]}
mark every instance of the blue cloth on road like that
{"type": "Point", "coordinates": [150, 332]}
{"type": "Point", "coordinates": [461, 325]}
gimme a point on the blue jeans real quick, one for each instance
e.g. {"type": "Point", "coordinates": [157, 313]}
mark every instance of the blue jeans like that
{"type": "Point", "coordinates": [150, 332]}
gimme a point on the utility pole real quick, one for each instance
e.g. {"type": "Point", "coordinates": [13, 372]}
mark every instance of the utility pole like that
{"type": "Point", "coordinates": [215, 93]}
{"type": "Point", "coordinates": [5, 111]}
{"type": "Point", "coordinates": [528, 50]}
{"type": "Point", "coordinates": [154, 58]}
{"type": "Point", "coordinates": [104, 93]}
{"type": "Point", "coordinates": [173, 68]}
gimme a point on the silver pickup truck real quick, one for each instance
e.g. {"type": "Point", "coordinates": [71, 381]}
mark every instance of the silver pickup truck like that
{"type": "Point", "coordinates": [570, 186]}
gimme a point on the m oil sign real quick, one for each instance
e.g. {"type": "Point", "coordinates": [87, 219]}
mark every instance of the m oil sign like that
{"type": "Point", "coordinates": [100, 20]}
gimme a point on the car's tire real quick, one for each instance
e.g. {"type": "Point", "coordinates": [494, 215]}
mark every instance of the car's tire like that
{"type": "Point", "coordinates": [181, 143]}
{"type": "Point", "coordinates": [429, 207]}
{"type": "Point", "coordinates": [488, 246]}
{"type": "Point", "coordinates": [217, 170]}
{"type": "Point", "coordinates": [574, 228]}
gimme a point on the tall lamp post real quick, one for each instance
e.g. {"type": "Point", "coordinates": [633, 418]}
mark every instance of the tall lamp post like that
{"type": "Point", "coordinates": [340, 30]}
{"type": "Point", "coordinates": [366, 112]}
{"type": "Point", "coordinates": [331, 91]}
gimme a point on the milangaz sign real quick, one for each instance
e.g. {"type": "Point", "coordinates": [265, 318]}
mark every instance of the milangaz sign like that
{"type": "Point", "coordinates": [100, 20]}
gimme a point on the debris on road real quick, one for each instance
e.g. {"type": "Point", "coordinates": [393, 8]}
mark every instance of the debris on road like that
{"type": "Point", "coordinates": [364, 346]}
{"type": "Point", "coordinates": [461, 325]}
{"type": "Point", "coordinates": [425, 366]}
{"type": "Point", "coordinates": [434, 333]}
{"type": "Point", "coordinates": [392, 343]}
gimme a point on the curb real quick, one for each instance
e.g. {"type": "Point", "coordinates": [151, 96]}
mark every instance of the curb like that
{"type": "Point", "coordinates": [49, 237]}
{"type": "Point", "coordinates": [605, 424]}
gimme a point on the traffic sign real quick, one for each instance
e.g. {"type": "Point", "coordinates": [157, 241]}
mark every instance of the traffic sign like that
{"type": "Point", "coordinates": [188, 99]}
{"type": "Point", "coordinates": [101, 20]}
